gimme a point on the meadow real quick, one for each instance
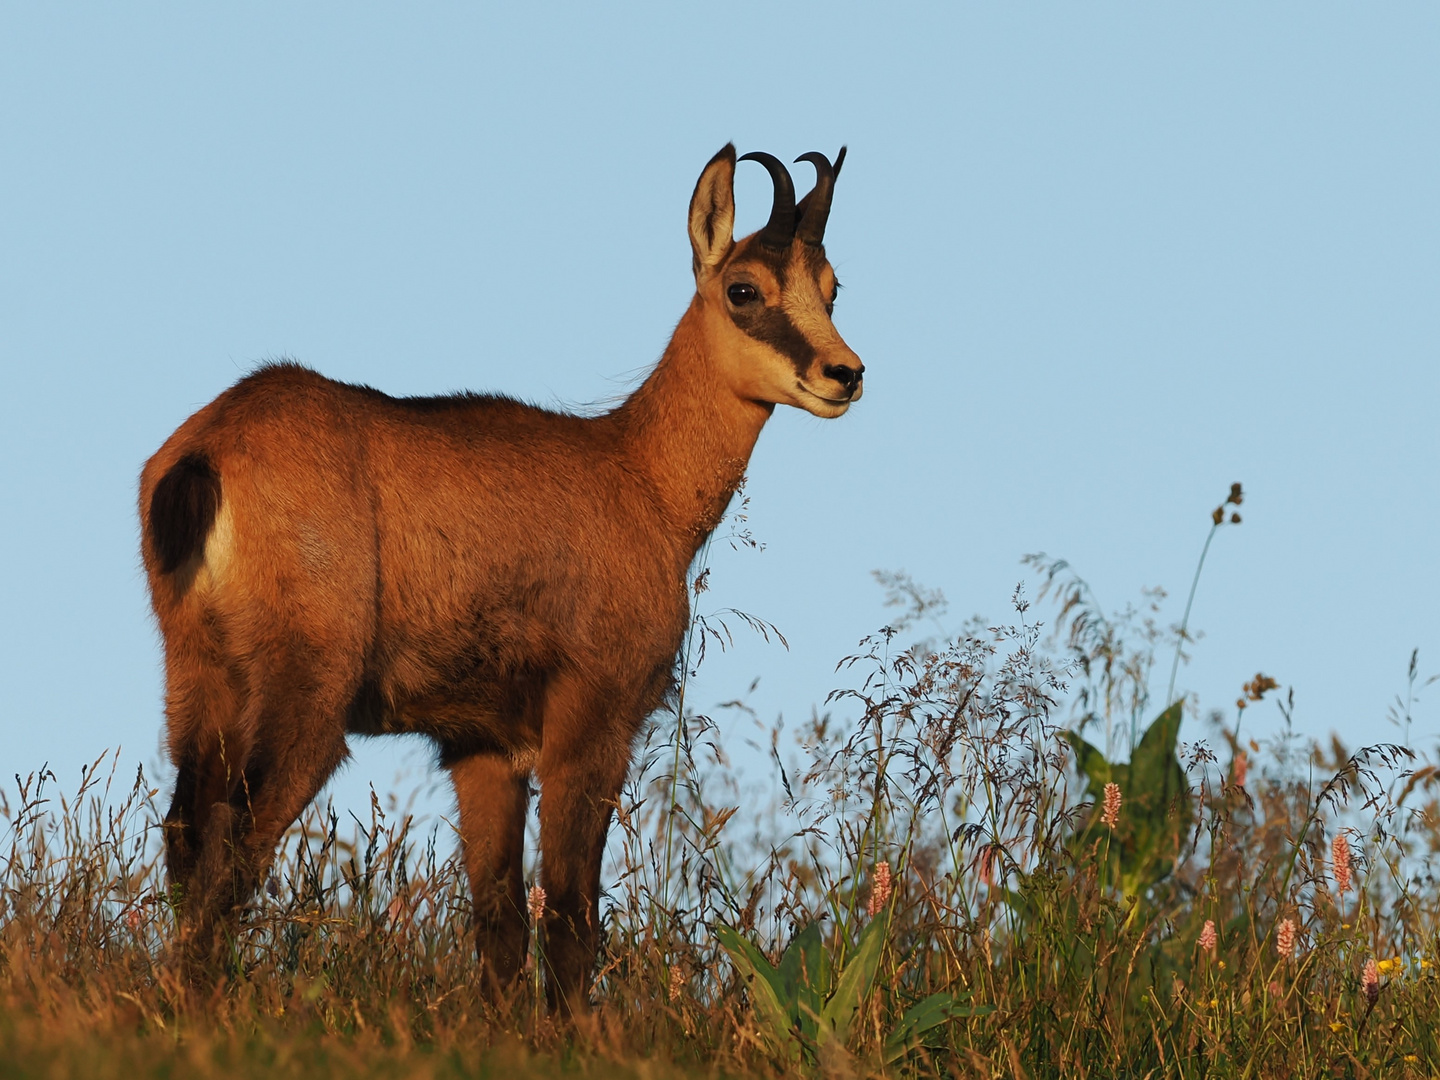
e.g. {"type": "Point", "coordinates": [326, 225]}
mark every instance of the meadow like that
{"type": "Point", "coordinates": [989, 853]}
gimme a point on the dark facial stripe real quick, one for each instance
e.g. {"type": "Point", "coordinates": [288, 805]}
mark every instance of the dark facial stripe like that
{"type": "Point", "coordinates": [770, 324]}
{"type": "Point", "coordinates": [774, 328]}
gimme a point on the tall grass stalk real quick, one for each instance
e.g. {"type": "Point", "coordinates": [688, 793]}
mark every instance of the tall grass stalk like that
{"type": "Point", "coordinates": [1217, 521]}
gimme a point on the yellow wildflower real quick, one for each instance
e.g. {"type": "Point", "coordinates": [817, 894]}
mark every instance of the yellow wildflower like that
{"type": "Point", "coordinates": [1214, 1003]}
{"type": "Point", "coordinates": [1336, 1026]}
{"type": "Point", "coordinates": [1385, 966]}
{"type": "Point", "coordinates": [1411, 1059]}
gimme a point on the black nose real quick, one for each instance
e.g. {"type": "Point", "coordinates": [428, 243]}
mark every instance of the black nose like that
{"type": "Point", "coordinates": [845, 375]}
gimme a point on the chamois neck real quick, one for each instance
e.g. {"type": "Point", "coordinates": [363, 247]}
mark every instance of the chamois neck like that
{"type": "Point", "coordinates": [689, 434]}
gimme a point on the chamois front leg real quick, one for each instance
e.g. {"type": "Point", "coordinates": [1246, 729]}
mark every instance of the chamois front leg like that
{"type": "Point", "coordinates": [493, 797]}
{"type": "Point", "coordinates": [580, 780]}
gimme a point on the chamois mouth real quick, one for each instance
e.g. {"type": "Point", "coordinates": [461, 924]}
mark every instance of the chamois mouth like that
{"type": "Point", "coordinates": [832, 406]}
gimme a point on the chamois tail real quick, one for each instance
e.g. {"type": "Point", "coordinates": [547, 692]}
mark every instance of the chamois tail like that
{"type": "Point", "coordinates": [182, 510]}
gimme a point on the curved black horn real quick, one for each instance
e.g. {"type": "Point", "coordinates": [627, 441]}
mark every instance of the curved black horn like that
{"type": "Point", "coordinates": [814, 209]}
{"type": "Point", "coordinates": [780, 229]}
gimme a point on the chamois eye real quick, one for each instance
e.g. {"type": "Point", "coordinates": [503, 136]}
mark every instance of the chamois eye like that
{"type": "Point", "coordinates": [740, 293]}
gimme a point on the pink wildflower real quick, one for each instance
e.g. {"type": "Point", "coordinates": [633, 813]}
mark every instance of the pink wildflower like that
{"type": "Point", "coordinates": [1240, 766]}
{"type": "Point", "coordinates": [1111, 814]}
{"type": "Point", "coordinates": [879, 889]}
{"type": "Point", "coordinates": [989, 859]}
{"type": "Point", "coordinates": [1340, 862]}
{"type": "Point", "coordinates": [536, 902]}
{"type": "Point", "coordinates": [1370, 980]}
{"type": "Point", "coordinates": [396, 910]}
{"type": "Point", "coordinates": [1285, 939]}
{"type": "Point", "coordinates": [1207, 936]}
{"type": "Point", "coordinates": [677, 983]}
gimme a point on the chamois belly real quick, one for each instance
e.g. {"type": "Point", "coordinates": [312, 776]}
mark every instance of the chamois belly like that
{"type": "Point", "coordinates": [476, 698]}
{"type": "Point", "coordinates": [481, 687]}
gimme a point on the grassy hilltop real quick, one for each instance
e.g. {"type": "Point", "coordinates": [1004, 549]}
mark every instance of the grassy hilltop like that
{"type": "Point", "coordinates": [1003, 863]}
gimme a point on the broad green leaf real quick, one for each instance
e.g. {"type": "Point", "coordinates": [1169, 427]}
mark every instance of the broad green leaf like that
{"type": "Point", "coordinates": [763, 983]}
{"type": "Point", "coordinates": [924, 1016]}
{"type": "Point", "coordinates": [805, 979]}
{"type": "Point", "coordinates": [1019, 903]}
{"type": "Point", "coordinates": [1091, 763]}
{"type": "Point", "coordinates": [854, 982]}
{"type": "Point", "coordinates": [1161, 803]}
{"type": "Point", "coordinates": [1156, 812]}
{"type": "Point", "coordinates": [1154, 769]}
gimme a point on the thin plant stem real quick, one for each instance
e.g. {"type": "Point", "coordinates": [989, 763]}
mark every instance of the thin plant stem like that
{"type": "Point", "coordinates": [674, 807]}
{"type": "Point", "coordinates": [1184, 627]}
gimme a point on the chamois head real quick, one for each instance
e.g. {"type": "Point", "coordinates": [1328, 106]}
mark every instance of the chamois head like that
{"type": "Point", "coordinates": [767, 299]}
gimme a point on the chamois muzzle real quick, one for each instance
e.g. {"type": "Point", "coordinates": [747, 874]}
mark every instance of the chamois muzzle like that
{"type": "Point", "coordinates": [847, 376]}
{"type": "Point", "coordinates": [779, 231]}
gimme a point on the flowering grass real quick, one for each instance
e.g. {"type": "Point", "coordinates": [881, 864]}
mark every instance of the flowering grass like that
{"type": "Point", "coordinates": [927, 889]}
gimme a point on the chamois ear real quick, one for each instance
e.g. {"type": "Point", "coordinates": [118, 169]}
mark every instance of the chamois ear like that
{"type": "Point", "coordinates": [712, 213]}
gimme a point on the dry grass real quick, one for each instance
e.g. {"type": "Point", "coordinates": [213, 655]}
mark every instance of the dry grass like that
{"type": "Point", "coordinates": [1053, 944]}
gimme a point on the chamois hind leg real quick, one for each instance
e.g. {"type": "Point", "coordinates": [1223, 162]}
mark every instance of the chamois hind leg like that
{"type": "Point", "coordinates": [200, 702]}
{"type": "Point", "coordinates": [286, 774]}
{"type": "Point", "coordinates": [581, 773]}
{"type": "Point", "coordinates": [250, 784]}
{"type": "Point", "coordinates": [493, 796]}
{"type": "Point", "coordinates": [201, 830]}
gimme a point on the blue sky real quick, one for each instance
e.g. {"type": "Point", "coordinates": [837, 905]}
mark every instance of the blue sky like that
{"type": "Point", "coordinates": [1100, 260]}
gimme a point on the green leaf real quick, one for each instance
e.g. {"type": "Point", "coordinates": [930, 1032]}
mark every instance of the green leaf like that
{"type": "Point", "coordinates": [854, 982]}
{"type": "Point", "coordinates": [1154, 769]}
{"type": "Point", "coordinates": [804, 976]}
{"type": "Point", "coordinates": [763, 983]}
{"type": "Point", "coordinates": [1160, 806]}
{"type": "Point", "coordinates": [1156, 813]}
{"type": "Point", "coordinates": [1091, 763]}
{"type": "Point", "coordinates": [924, 1016]}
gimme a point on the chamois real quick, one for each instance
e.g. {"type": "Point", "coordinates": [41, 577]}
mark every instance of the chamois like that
{"type": "Point", "coordinates": [507, 580]}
